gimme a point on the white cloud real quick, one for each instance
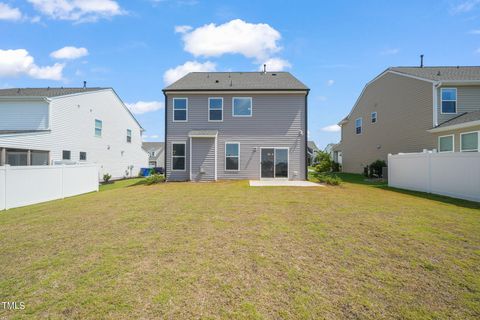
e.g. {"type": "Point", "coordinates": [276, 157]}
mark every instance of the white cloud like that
{"type": "Point", "coordinates": [275, 64]}
{"type": "Point", "coordinates": [69, 53]}
{"type": "Point", "coordinates": [9, 13]}
{"type": "Point", "coordinates": [182, 29]}
{"type": "Point", "coordinates": [78, 10]}
{"type": "Point", "coordinates": [19, 62]}
{"type": "Point", "coordinates": [144, 106]}
{"type": "Point", "coordinates": [388, 52]}
{"type": "Point", "coordinates": [257, 41]}
{"type": "Point", "coordinates": [465, 6]}
{"type": "Point", "coordinates": [477, 51]}
{"type": "Point", "coordinates": [173, 74]}
{"type": "Point", "coordinates": [330, 82]}
{"type": "Point", "coordinates": [331, 128]}
{"type": "Point", "coordinates": [477, 31]}
{"type": "Point", "coordinates": [322, 98]}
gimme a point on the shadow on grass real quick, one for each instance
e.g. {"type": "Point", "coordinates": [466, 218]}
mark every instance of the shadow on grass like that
{"type": "Point", "coordinates": [360, 179]}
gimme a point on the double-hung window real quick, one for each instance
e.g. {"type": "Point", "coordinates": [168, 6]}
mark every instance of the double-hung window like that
{"type": "Point", "coordinates": [358, 126]}
{"type": "Point", "coordinates": [83, 156]}
{"type": "Point", "coordinates": [232, 156]}
{"type": "Point", "coordinates": [98, 128]}
{"type": "Point", "coordinates": [215, 109]}
{"type": "Point", "coordinates": [178, 156]}
{"type": "Point", "coordinates": [374, 117]}
{"type": "Point", "coordinates": [180, 109]}
{"type": "Point", "coordinates": [469, 141]}
{"type": "Point", "coordinates": [446, 143]}
{"type": "Point", "coordinates": [66, 155]}
{"type": "Point", "coordinates": [449, 100]}
{"type": "Point", "coordinates": [129, 135]}
{"type": "Point", "coordinates": [242, 107]}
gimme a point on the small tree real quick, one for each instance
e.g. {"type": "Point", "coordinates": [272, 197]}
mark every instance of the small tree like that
{"type": "Point", "coordinates": [107, 177]}
{"type": "Point", "coordinates": [324, 163]}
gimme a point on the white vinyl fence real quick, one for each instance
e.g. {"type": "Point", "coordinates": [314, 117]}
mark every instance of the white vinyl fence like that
{"type": "Point", "coordinates": [25, 185]}
{"type": "Point", "coordinates": [455, 174]}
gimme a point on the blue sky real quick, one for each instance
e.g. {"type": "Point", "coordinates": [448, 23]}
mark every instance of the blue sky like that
{"type": "Point", "coordinates": [136, 47]}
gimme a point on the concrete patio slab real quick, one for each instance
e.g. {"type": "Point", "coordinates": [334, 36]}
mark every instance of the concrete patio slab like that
{"type": "Point", "coordinates": [283, 183]}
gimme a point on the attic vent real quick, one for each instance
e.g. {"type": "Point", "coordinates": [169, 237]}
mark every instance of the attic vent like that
{"type": "Point", "coordinates": [216, 81]}
{"type": "Point", "coordinates": [438, 73]}
{"type": "Point", "coordinates": [274, 74]}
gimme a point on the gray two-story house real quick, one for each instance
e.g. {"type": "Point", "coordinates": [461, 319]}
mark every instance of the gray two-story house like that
{"type": "Point", "coordinates": [409, 109]}
{"type": "Point", "coordinates": [236, 125]}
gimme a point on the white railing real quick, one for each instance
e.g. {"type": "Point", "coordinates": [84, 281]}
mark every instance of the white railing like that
{"type": "Point", "coordinates": [455, 174]}
{"type": "Point", "coordinates": [25, 185]}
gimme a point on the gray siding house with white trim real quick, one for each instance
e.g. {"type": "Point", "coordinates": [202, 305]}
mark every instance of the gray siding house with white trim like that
{"type": "Point", "coordinates": [236, 125]}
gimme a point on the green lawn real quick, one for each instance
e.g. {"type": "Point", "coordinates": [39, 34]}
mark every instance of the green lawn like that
{"type": "Point", "coordinates": [225, 250]}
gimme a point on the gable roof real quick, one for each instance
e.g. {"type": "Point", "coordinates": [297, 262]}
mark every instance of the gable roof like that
{"type": "Point", "coordinates": [44, 92]}
{"type": "Point", "coordinates": [440, 73]}
{"type": "Point", "coordinates": [234, 81]}
{"type": "Point", "coordinates": [312, 145]}
{"type": "Point", "coordinates": [430, 74]}
{"type": "Point", "coordinates": [152, 145]}
{"type": "Point", "coordinates": [26, 93]}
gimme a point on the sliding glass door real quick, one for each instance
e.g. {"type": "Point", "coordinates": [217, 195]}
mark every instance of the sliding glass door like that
{"type": "Point", "coordinates": [274, 163]}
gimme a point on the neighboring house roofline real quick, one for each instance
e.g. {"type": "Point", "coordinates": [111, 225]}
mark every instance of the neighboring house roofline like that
{"type": "Point", "coordinates": [381, 75]}
{"type": "Point", "coordinates": [50, 99]}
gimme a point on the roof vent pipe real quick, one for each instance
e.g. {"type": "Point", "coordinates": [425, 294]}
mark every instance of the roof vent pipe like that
{"type": "Point", "coordinates": [421, 61]}
{"type": "Point", "coordinates": [264, 68]}
{"type": "Point", "coordinates": [84, 84]}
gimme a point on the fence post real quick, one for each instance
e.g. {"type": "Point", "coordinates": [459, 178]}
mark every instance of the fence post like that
{"type": "Point", "coordinates": [429, 182]}
{"type": "Point", "coordinates": [63, 184]}
{"type": "Point", "coordinates": [389, 158]}
{"type": "Point", "coordinates": [7, 166]}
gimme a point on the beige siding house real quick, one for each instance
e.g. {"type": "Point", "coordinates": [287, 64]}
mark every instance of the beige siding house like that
{"type": "Point", "coordinates": [409, 109]}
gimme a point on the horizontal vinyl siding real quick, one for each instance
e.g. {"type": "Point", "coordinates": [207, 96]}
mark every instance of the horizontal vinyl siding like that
{"type": "Point", "coordinates": [203, 156]}
{"type": "Point", "coordinates": [23, 115]}
{"type": "Point", "coordinates": [276, 122]}
{"type": "Point", "coordinates": [468, 100]}
{"type": "Point", "coordinates": [456, 134]}
{"type": "Point", "coordinates": [73, 129]}
{"type": "Point", "coordinates": [404, 114]}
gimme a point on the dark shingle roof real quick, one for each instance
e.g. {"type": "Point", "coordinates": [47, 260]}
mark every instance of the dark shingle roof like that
{"type": "Point", "coordinates": [463, 118]}
{"type": "Point", "coordinates": [237, 81]}
{"type": "Point", "coordinates": [441, 73]}
{"type": "Point", "coordinates": [43, 92]}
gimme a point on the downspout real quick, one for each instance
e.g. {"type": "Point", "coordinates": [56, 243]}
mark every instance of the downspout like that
{"type": "Point", "coordinates": [435, 103]}
{"type": "Point", "coordinates": [306, 135]}
{"type": "Point", "coordinates": [165, 147]}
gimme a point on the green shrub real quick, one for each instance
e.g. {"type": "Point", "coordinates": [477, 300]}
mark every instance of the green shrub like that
{"type": "Point", "coordinates": [324, 164]}
{"type": "Point", "coordinates": [329, 179]}
{"type": "Point", "coordinates": [107, 177]}
{"type": "Point", "coordinates": [336, 167]}
{"type": "Point", "coordinates": [154, 178]}
{"type": "Point", "coordinates": [375, 168]}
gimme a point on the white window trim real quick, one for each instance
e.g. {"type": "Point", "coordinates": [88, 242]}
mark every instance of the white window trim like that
{"type": "Point", "coordinates": [441, 101]}
{"type": "Point", "coordinates": [173, 108]}
{"type": "Point", "coordinates": [478, 141]}
{"type": "Point", "coordinates": [453, 143]}
{"type": "Point", "coordinates": [129, 130]}
{"type": "Point", "coordinates": [376, 117]}
{"type": "Point", "coordinates": [185, 156]}
{"type": "Point", "coordinates": [214, 109]}
{"type": "Point", "coordinates": [225, 158]}
{"type": "Point", "coordinates": [361, 125]}
{"type": "Point", "coordinates": [242, 116]}
{"type": "Point", "coordinates": [95, 129]}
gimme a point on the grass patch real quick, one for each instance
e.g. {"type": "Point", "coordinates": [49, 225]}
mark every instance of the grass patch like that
{"type": "Point", "coordinates": [225, 250]}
